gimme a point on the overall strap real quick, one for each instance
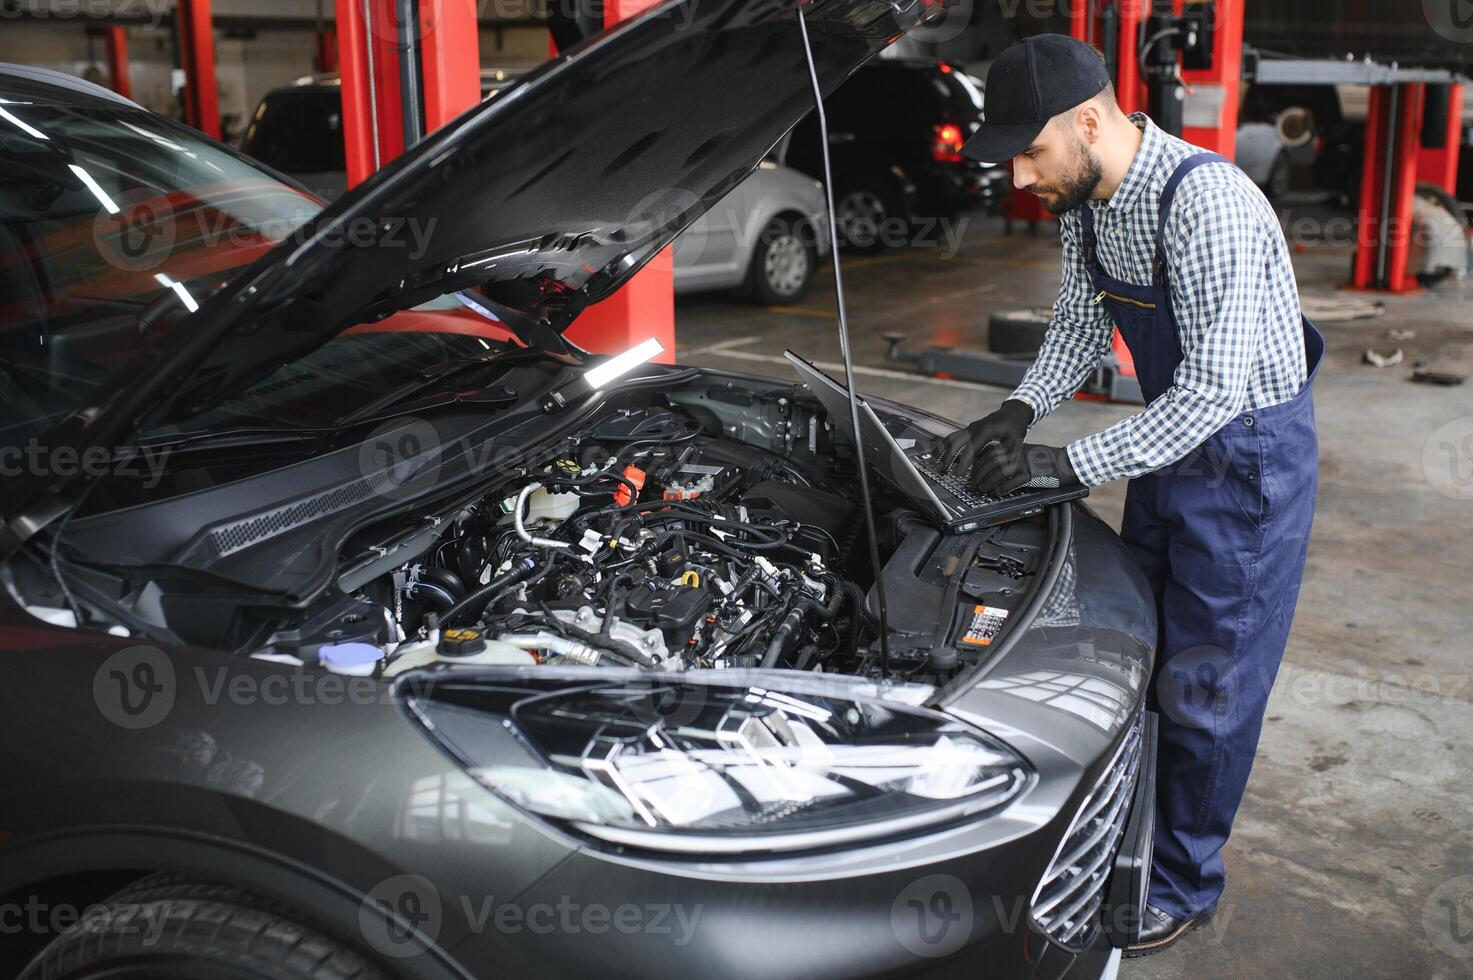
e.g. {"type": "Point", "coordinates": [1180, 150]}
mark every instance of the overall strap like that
{"type": "Point", "coordinates": [1087, 227]}
{"type": "Point", "coordinates": [1158, 266]}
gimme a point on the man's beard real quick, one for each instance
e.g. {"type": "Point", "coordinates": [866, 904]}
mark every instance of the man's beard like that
{"type": "Point", "coordinates": [1079, 183]}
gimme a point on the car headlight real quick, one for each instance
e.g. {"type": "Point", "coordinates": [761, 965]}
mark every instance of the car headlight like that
{"type": "Point", "coordinates": [716, 767]}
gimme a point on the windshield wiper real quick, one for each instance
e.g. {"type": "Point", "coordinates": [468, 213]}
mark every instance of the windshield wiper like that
{"type": "Point", "coordinates": [244, 435]}
{"type": "Point", "coordinates": [429, 378]}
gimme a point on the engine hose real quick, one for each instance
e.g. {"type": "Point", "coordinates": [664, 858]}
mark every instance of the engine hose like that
{"type": "Point", "coordinates": [469, 558]}
{"type": "Point", "coordinates": [522, 532]}
{"type": "Point", "coordinates": [444, 578]}
{"type": "Point", "coordinates": [482, 597]}
{"type": "Point", "coordinates": [435, 593]}
{"type": "Point", "coordinates": [787, 633]}
{"type": "Point", "coordinates": [609, 645]}
{"type": "Point", "coordinates": [858, 612]}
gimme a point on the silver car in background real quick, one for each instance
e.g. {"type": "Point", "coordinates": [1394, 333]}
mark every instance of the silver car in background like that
{"type": "Point", "coordinates": [764, 239]}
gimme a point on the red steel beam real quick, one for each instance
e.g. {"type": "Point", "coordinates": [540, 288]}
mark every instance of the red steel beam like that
{"type": "Point", "coordinates": [450, 59]}
{"type": "Point", "coordinates": [117, 61]}
{"type": "Point", "coordinates": [197, 55]}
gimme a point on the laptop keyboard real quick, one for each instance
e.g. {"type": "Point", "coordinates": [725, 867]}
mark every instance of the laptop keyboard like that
{"type": "Point", "coordinates": [955, 486]}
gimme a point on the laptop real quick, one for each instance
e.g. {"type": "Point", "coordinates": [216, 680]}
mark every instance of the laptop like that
{"type": "Point", "coordinates": [945, 499]}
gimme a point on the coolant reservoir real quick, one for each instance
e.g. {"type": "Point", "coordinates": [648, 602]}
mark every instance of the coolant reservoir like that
{"type": "Point", "coordinates": [456, 646]}
{"type": "Point", "coordinates": [552, 506]}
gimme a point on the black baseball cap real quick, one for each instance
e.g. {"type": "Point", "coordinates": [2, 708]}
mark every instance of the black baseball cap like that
{"type": "Point", "coordinates": [1030, 83]}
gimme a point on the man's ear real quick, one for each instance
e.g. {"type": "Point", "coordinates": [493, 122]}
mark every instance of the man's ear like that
{"type": "Point", "coordinates": [1089, 122]}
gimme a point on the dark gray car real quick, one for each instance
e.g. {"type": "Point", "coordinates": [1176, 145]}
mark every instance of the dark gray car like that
{"type": "Point", "coordinates": [350, 635]}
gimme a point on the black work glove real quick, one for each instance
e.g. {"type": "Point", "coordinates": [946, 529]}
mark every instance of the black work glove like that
{"type": "Point", "coordinates": [1035, 468]}
{"type": "Point", "coordinates": [1001, 432]}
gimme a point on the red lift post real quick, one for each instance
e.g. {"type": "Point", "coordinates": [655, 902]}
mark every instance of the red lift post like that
{"type": "Point", "coordinates": [117, 61]}
{"type": "Point", "coordinates": [1388, 181]}
{"type": "Point", "coordinates": [368, 65]}
{"type": "Point", "coordinates": [450, 59]}
{"type": "Point", "coordinates": [1439, 164]}
{"type": "Point", "coordinates": [325, 51]}
{"type": "Point", "coordinates": [644, 306]}
{"type": "Point", "coordinates": [1225, 77]}
{"type": "Point", "coordinates": [197, 56]}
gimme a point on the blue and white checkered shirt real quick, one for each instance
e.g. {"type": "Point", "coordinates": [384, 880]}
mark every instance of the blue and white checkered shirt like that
{"type": "Point", "coordinates": [1232, 290]}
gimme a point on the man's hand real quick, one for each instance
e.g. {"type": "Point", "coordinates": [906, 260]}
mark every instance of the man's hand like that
{"type": "Point", "coordinates": [1035, 467]}
{"type": "Point", "coordinates": [999, 434]}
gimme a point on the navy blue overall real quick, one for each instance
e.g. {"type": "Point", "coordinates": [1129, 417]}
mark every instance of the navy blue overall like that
{"type": "Point", "coordinates": [1221, 535]}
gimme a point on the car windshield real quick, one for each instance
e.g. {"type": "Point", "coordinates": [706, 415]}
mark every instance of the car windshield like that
{"type": "Point", "coordinates": [115, 224]}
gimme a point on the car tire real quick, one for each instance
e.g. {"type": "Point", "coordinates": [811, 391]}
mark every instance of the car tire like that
{"type": "Point", "coordinates": [1279, 173]}
{"type": "Point", "coordinates": [863, 211]}
{"type": "Point", "coordinates": [166, 927]}
{"type": "Point", "coordinates": [783, 261]}
{"type": "Point", "coordinates": [1018, 331]}
{"type": "Point", "coordinates": [1435, 192]}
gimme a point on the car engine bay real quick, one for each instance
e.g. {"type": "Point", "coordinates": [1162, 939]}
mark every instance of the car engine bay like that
{"type": "Point", "coordinates": [707, 526]}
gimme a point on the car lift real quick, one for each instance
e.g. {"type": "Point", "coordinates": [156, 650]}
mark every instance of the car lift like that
{"type": "Point", "coordinates": [410, 66]}
{"type": "Point", "coordinates": [1186, 68]}
{"type": "Point", "coordinates": [1413, 125]}
{"type": "Point", "coordinates": [1154, 62]}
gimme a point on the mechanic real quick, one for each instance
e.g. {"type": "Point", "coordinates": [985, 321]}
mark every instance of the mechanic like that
{"type": "Point", "coordinates": [1177, 248]}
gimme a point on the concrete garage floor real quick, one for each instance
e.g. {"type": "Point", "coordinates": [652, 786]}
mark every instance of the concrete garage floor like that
{"type": "Point", "coordinates": [1353, 854]}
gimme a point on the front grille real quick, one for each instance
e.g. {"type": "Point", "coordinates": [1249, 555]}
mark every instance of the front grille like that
{"type": "Point", "coordinates": [1067, 904]}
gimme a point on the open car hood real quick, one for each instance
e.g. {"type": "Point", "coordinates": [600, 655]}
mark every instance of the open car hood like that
{"type": "Point", "coordinates": [553, 194]}
{"type": "Point", "coordinates": [550, 197]}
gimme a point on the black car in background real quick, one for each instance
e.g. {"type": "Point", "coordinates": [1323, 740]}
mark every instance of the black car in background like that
{"type": "Point", "coordinates": [297, 129]}
{"type": "Point", "coordinates": [896, 129]}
